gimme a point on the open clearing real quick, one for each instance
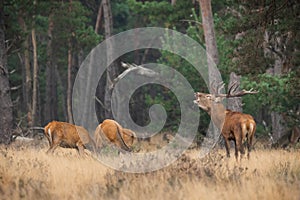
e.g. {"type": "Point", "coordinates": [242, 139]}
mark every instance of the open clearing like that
{"type": "Point", "coordinates": [27, 172]}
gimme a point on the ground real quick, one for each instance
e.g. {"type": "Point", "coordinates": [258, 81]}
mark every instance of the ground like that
{"type": "Point", "coordinates": [27, 172]}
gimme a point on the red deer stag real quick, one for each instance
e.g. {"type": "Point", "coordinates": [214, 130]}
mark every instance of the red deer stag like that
{"type": "Point", "coordinates": [236, 126]}
{"type": "Point", "coordinates": [67, 135]}
{"type": "Point", "coordinates": [113, 132]}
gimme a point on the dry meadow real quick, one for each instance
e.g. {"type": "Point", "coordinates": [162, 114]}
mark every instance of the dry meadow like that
{"type": "Point", "coordinates": [27, 172]}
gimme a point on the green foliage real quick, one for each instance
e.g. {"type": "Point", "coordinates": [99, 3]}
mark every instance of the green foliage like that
{"type": "Point", "coordinates": [156, 13]}
{"type": "Point", "coordinates": [239, 26]}
{"type": "Point", "coordinates": [71, 23]}
{"type": "Point", "coordinates": [279, 93]}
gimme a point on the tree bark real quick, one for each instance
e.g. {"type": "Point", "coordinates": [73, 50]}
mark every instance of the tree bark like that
{"type": "Point", "coordinates": [35, 110]}
{"type": "Point", "coordinates": [69, 90]}
{"type": "Point", "coordinates": [6, 116]}
{"type": "Point", "coordinates": [211, 54]}
{"type": "Point", "coordinates": [278, 53]}
{"type": "Point", "coordinates": [234, 104]}
{"type": "Point", "coordinates": [51, 83]}
{"type": "Point", "coordinates": [111, 70]}
{"type": "Point", "coordinates": [70, 83]}
{"type": "Point", "coordinates": [99, 17]}
{"type": "Point", "coordinates": [27, 76]}
{"type": "Point", "coordinates": [35, 89]}
{"type": "Point", "coordinates": [208, 28]}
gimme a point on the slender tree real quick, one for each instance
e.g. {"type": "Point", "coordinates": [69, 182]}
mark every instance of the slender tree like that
{"type": "Point", "coordinates": [6, 116]}
{"type": "Point", "coordinates": [50, 110]}
{"type": "Point", "coordinates": [211, 53]}
{"type": "Point", "coordinates": [27, 75]}
{"type": "Point", "coordinates": [99, 17]}
{"type": "Point", "coordinates": [111, 70]}
{"type": "Point", "coordinates": [35, 92]}
{"type": "Point", "coordinates": [70, 65]}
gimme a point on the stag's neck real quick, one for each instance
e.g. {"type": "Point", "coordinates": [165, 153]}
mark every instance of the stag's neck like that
{"type": "Point", "coordinates": [218, 113]}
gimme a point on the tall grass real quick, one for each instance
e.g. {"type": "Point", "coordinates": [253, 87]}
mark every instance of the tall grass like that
{"type": "Point", "coordinates": [27, 172]}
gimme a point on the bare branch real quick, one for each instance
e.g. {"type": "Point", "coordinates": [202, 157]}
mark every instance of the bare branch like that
{"type": "Point", "coordinates": [100, 102]}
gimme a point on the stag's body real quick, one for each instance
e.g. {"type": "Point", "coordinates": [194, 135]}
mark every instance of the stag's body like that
{"type": "Point", "coordinates": [240, 128]}
{"type": "Point", "coordinates": [67, 135]}
{"type": "Point", "coordinates": [235, 126]}
{"type": "Point", "coordinates": [111, 131]}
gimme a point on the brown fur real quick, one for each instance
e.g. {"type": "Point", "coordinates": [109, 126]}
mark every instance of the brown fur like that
{"type": "Point", "coordinates": [67, 135]}
{"type": "Point", "coordinates": [237, 126]}
{"type": "Point", "coordinates": [240, 128]}
{"type": "Point", "coordinates": [114, 133]}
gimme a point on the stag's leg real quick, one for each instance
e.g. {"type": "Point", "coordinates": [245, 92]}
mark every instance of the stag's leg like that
{"type": "Point", "coordinates": [249, 145]}
{"type": "Point", "coordinates": [80, 148]}
{"type": "Point", "coordinates": [250, 139]}
{"type": "Point", "coordinates": [236, 148]}
{"type": "Point", "coordinates": [54, 144]}
{"type": "Point", "coordinates": [239, 147]}
{"type": "Point", "coordinates": [227, 146]}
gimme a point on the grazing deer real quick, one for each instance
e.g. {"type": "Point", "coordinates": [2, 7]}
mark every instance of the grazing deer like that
{"type": "Point", "coordinates": [235, 126]}
{"type": "Point", "coordinates": [67, 135]}
{"type": "Point", "coordinates": [112, 131]}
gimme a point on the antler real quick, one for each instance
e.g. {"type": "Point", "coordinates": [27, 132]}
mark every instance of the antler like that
{"type": "Point", "coordinates": [232, 92]}
{"type": "Point", "coordinates": [216, 90]}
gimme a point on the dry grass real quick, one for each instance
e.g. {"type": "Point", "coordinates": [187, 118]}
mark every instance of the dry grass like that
{"type": "Point", "coordinates": [27, 172]}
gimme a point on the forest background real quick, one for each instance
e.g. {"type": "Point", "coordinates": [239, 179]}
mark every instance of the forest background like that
{"type": "Point", "coordinates": [43, 43]}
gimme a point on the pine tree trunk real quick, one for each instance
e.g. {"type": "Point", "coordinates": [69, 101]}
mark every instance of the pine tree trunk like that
{"type": "Point", "coordinates": [214, 75]}
{"type": "Point", "coordinates": [50, 110]}
{"type": "Point", "coordinates": [6, 116]}
{"type": "Point", "coordinates": [235, 104]}
{"type": "Point", "coordinates": [99, 17]}
{"type": "Point", "coordinates": [35, 100]}
{"type": "Point", "coordinates": [69, 90]}
{"type": "Point", "coordinates": [111, 70]}
{"type": "Point", "coordinates": [210, 40]}
{"type": "Point", "coordinates": [277, 52]}
{"type": "Point", "coordinates": [70, 83]}
{"type": "Point", "coordinates": [27, 77]}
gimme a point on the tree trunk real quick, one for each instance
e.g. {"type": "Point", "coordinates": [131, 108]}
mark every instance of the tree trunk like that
{"type": "Point", "coordinates": [35, 110]}
{"type": "Point", "coordinates": [234, 104]}
{"type": "Point", "coordinates": [111, 70]}
{"type": "Point", "coordinates": [6, 116]}
{"type": "Point", "coordinates": [99, 16]}
{"type": "Point", "coordinates": [69, 90]}
{"type": "Point", "coordinates": [274, 47]}
{"type": "Point", "coordinates": [61, 84]}
{"type": "Point", "coordinates": [27, 77]}
{"type": "Point", "coordinates": [50, 110]}
{"type": "Point", "coordinates": [210, 40]}
{"type": "Point", "coordinates": [214, 75]}
{"type": "Point", "coordinates": [70, 64]}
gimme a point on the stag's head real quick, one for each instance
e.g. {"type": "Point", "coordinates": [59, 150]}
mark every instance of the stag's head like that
{"type": "Point", "coordinates": [208, 101]}
{"type": "Point", "coordinates": [205, 101]}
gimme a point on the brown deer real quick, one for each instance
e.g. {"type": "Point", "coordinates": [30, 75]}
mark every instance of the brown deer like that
{"type": "Point", "coordinates": [111, 131]}
{"type": "Point", "coordinates": [67, 135]}
{"type": "Point", "coordinates": [235, 126]}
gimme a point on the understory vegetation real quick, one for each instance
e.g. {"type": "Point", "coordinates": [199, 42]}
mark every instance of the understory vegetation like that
{"type": "Point", "coordinates": [27, 172]}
